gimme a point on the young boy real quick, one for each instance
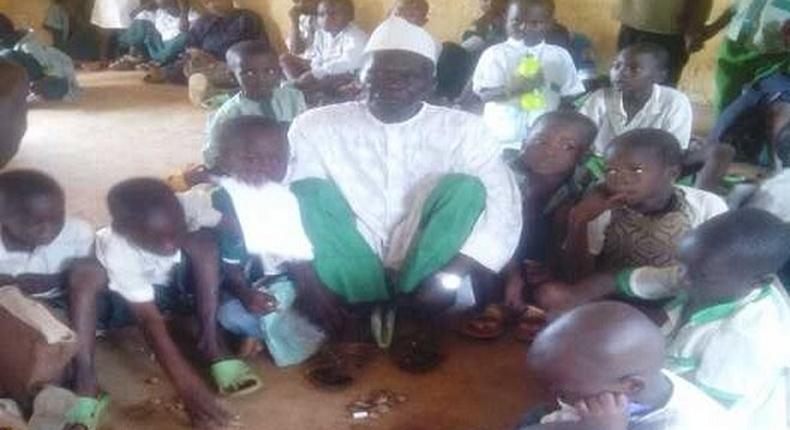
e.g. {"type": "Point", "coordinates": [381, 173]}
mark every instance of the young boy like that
{"type": "Point", "coordinates": [337, 51]}
{"type": "Point", "coordinates": [638, 216]}
{"type": "Point", "coordinates": [602, 363]}
{"type": "Point", "coordinates": [257, 70]}
{"type": "Point", "coordinates": [262, 241]}
{"type": "Point", "coordinates": [14, 88]}
{"type": "Point", "coordinates": [159, 267]}
{"type": "Point", "coordinates": [488, 29]}
{"type": "Point", "coordinates": [414, 11]}
{"type": "Point", "coordinates": [47, 255]}
{"type": "Point", "coordinates": [304, 25]}
{"type": "Point", "coordinates": [729, 336]}
{"type": "Point", "coordinates": [51, 72]}
{"type": "Point", "coordinates": [638, 99]}
{"type": "Point", "coordinates": [524, 77]}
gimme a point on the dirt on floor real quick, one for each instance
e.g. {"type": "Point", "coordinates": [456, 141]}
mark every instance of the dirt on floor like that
{"type": "Point", "coordinates": [122, 128]}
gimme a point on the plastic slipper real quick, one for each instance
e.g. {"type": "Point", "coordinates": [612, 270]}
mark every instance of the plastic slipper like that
{"type": "Point", "coordinates": [417, 354]}
{"type": "Point", "coordinates": [87, 412]}
{"type": "Point", "coordinates": [235, 378]}
{"type": "Point", "coordinates": [490, 324]}
{"type": "Point", "coordinates": [529, 324]}
{"type": "Point", "coordinates": [382, 325]}
{"type": "Point", "coordinates": [327, 371]}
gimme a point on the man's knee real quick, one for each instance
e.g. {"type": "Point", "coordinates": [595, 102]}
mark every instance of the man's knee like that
{"type": "Point", "coordinates": [86, 276]}
{"type": "Point", "coordinates": [462, 186]}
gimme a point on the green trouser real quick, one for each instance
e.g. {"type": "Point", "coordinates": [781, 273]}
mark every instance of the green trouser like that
{"type": "Point", "coordinates": [142, 35]}
{"type": "Point", "coordinates": [347, 265]}
{"type": "Point", "coordinates": [739, 64]}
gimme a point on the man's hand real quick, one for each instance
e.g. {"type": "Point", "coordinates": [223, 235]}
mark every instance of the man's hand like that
{"type": "Point", "coordinates": [203, 409]}
{"type": "Point", "coordinates": [258, 302]}
{"type": "Point", "coordinates": [607, 411]}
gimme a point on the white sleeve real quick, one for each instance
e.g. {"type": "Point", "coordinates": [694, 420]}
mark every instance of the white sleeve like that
{"type": "Point", "coordinates": [84, 236]}
{"type": "Point", "coordinates": [571, 85]}
{"type": "Point", "coordinates": [123, 267]}
{"type": "Point", "coordinates": [705, 205]}
{"type": "Point", "coordinates": [678, 120]}
{"type": "Point", "coordinates": [198, 208]}
{"type": "Point", "coordinates": [350, 60]}
{"type": "Point", "coordinates": [307, 161]}
{"type": "Point", "coordinates": [596, 233]}
{"type": "Point", "coordinates": [495, 236]}
{"type": "Point", "coordinates": [594, 107]}
{"type": "Point", "coordinates": [489, 73]}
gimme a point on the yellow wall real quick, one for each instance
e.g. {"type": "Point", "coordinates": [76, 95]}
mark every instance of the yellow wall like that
{"type": "Point", "coordinates": [449, 18]}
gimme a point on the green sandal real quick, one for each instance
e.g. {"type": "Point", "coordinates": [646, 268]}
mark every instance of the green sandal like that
{"type": "Point", "coordinates": [87, 412]}
{"type": "Point", "coordinates": [235, 378]}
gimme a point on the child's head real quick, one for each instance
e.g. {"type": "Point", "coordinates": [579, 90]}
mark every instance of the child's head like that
{"type": "Point", "coordinates": [557, 143]}
{"type": "Point", "coordinates": [639, 66]}
{"type": "Point", "coordinates": [14, 89]}
{"type": "Point", "coordinates": [218, 7]}
{"type": "Point", "coordinates": [414, 11]}
{"type": "Point", "coordinates": [148, 214]}
{"type": "Point", "coordinates": [598, 348]}
{"type": "Point", "coordinates": [528, 20]}
{"type": "Point", "coordinates": [643, 165]}
{"type": "Point", "coordinates": [728, 256]}
{"type": "Point", "coordinates": [306, 6]}
{"type": "Point", "coordinates": [32, 210]}
{"type": "Point", "coordinates": [493, 7]}
{"type": "Point", "coordinates": [256, 67]}
{"type": "Point", "coordinates": [253, 149]}
{"type": "Point", "coordinates": [335, 15]}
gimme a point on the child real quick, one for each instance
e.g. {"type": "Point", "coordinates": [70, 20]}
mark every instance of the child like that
{"type": "Point", "coordinates": [729, 337]}
{"type": "Point", "coordinates": [638, 99]}
{"type": "Point", "coordinates": [602, 363]}
{"type": "Point", "coordinates": [414, 11]}
{"type": "Point", "coordinates": [262, 227]}
{"type": "Point", "coordinates": [336, 55]}
{"type": "Point", "coordinates": [47, 255]}
{"type": "Point", "coordinates": [158, 35]}
{"type": "Point", "coordinates": [51, 72]}
{"type": "Point", "coordinates": [304, 25]}
{"type": "Point", "coordinates": [110, 16]}
{"type": "Point", "coordinates": [637, 217]}
{"type": "Point", "coordinates": [487, 30]}
{"type": "Point", "coordinates": [158, 267]}
{"type": "Point", "coordinates": [68, 22]}
{"type": "Point", "coordinates": [258, 72]}
{"type": "Point", "coordinates": [14, 89]}
{"type": "Point", "coordinates": [524, 77]}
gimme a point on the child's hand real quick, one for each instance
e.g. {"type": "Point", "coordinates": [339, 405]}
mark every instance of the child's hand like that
{"type": "Point", "coordinates": [197, 174]}
{"type": "Point", "coordinates": [607, 411]}
{"type": "Point", "coordinates": [593, 205]}
{"type": "Point", "coordinates": [258, 302]}
{"type": "Point", "coordinates": [521, 85]}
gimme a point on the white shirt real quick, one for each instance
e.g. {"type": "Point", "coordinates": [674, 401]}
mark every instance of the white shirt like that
{"type": "Point", "coordinates": [687, 409]}
{"type": "Point", "coordinates": [378, 167]}
{"type": "Point", "coordinates": [168, 26]}
{"type": "Point", "coordinates": [702, 205]}
{"type": "Point", "coordinates": [773, 196]}
{"type": "Point", "coordinates": [497, 68]}
{"type": "Point", "coordinates": [74, 241]}
{"type": "Point", "coordinates": [133, 271]}
{"type": "Point", "coordinates": [667, 109]}
{"type": "Point", "coordinates": [113, 14]}
{"type": "Point", "coordinates": [338, 54]}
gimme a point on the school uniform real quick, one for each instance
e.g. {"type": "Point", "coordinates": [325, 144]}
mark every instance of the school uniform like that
{"type": "Point", "coordinates": [667, 109]}
{"type": "Point", "coordinates": [43, 61]}
{"type": "Point", "coordinates": [307, 27]}
{"type": "Point", "coordinates": [506, 120]}
{"type": "Point", "coordinates": [338, 54]}
{"type": "Point", "coordinates": [113, 14]}
{"type": "Point", "coordinates": [286, 103]}
{"type": "Point", "coordinates": [157, 34]}
{"type": "Point", "coordinates": [623, 238]}
{"type": "Point", "coordinates": [735, 352]}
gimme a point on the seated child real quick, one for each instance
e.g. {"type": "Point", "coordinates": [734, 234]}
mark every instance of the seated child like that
{"type": "Point", "coordinates": [729, 337]}
{"type": "Point", "coordinates": [488, 29]}
{"type": "Point", "coordinates": [524, 77]}
{"type": "Point", "coordinates": [304, 25]}
{"type": "Point", "coordinates": [258, 72]}
{"type": "Point", "coordinates": [159, 268]}
{"type": "Point", "coordinates": [414, 11]}
{"type": "Point", "coordinates": [638, 99]}
{"type": "Point", "coordinates": [158, 35]}
{"type": "Point", "coordinates": [14, 89]}
{"type": "Point", "coordinates": [68, 22]}
{"type": "Point", "coordinates": [637, 217]}
{"type": "Point", "coordinates": [336, 55]}
{"type": "Point", "coordinates": [48, 256]}
{"type": "Point", "coordinates": [51, 72]}
{"type": "Point", "coordinates": [262, 227]}
{"type": "Point", "coordinates": [602, 365]}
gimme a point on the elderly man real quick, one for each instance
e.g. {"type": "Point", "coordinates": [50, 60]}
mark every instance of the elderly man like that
{"type": "Point", "coordinates": [402, 200]}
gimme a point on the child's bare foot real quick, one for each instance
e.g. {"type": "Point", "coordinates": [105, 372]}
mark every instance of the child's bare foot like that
{"type": "Point", "coordinates": [249, 347]}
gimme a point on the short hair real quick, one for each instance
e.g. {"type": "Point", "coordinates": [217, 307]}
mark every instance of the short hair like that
{"type": "Point", "coordinates": [587, 127]}
{"type": "Point", "coordinates": [658, 52]}
{"type": "Point", "coordinates": [18, 186]}
{"type": "Point", "coordinates": [783, 145]}
{"type": "Point", "coordinates": [347, 4]}
{"type": "Point", "coordinates": [248, 48]}
{"type": "Point", "coordinates": [662, 144]}
{"type": "Point", "coordinates": [134, 200]}
{"type": "Point", "coordinates": [229, 130]}
{"type": "Point", "coordinates": [548, 4]}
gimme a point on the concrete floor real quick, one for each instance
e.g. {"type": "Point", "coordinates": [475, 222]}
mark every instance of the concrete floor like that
{"type": "Point", "coordinates": [122, 128]}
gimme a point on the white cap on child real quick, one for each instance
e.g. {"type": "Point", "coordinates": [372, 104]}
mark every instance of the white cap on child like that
{"type": "Point", "coordinates": [396, 33]}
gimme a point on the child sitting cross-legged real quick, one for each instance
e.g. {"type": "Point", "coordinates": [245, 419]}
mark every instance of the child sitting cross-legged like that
{"type": "Point", "coordinates": [729, 322]}
{"type": "Point", "coordinates": [160, 268]}
{"type": "Point", "coordinates": [602, 365]}
{"type": "Point", "coordinates": [48, 256]}
{"type": "Point", "coordinates": [262, 243]}
{"type": "Point", "coordinates": [258, 72]}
